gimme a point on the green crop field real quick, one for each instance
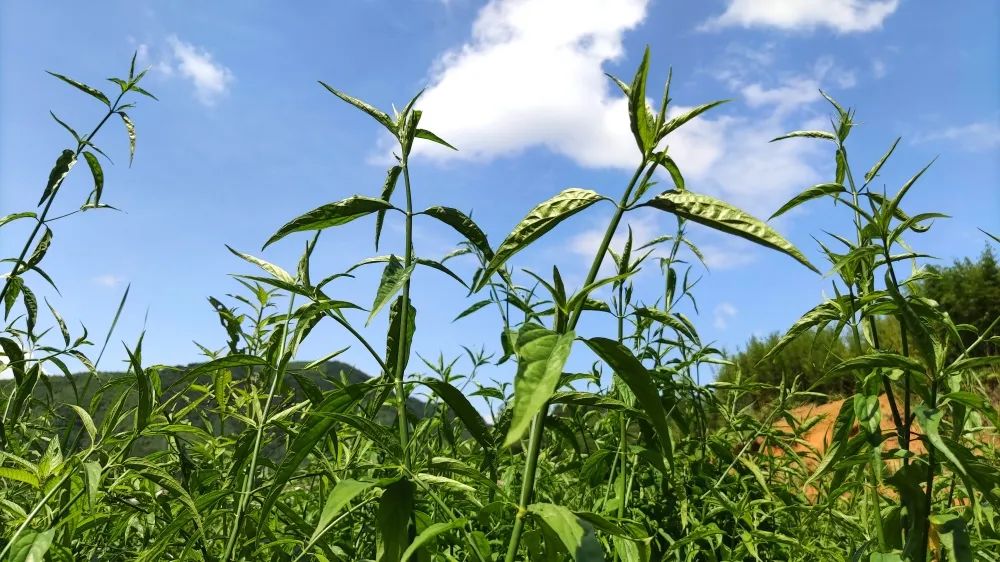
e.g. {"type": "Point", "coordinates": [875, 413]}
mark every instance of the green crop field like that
{"type": "Point", "coordinates": [258, 453]}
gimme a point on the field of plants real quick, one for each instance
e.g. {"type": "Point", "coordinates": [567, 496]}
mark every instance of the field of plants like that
{"type": "Point", "coordinates": [261, 454]}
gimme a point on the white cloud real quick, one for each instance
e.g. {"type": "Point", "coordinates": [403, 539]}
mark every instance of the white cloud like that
{"type": "Point", "coordinates": [843, 16]}
{"type": "Point", "coordinates": [108, 280]}
{"type": "Point", "coordinates": [723, 313]}
{"type": "Point", "coordinates": [211, 80]}
{"type": "Point", "coordinates": [976, 136]}
{"type": "Point", "coordinates": [531, 76]}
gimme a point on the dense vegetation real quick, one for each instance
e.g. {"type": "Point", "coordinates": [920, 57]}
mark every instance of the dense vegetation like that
{"type": "Point", "coordinates": [634, 461]}
{"type": "Point", "coordinates": [968, 291]}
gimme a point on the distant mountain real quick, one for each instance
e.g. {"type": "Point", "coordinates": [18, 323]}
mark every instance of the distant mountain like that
{"type": "Point", "coordinates": [99, 394]}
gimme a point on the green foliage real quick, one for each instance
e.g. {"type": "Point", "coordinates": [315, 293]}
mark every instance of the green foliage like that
{"type": "Point", "coordinates": [255, 455]}
{"type": "Point", "coordinates": [969, 291]}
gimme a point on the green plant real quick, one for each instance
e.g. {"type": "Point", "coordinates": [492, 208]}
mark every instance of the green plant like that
{"type": "Point", "coordinates": [255, 454]}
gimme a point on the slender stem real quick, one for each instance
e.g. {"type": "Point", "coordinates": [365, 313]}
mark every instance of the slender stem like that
{"type": "Point", "coordinates": [248, 481]}
{"type": "Point", "coordinates": [404, 321]}
{"type": "Point", "coordinates": [538, 424]}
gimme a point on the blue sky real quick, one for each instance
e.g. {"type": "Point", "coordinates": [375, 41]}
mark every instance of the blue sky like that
{"type": "Point", "coordinates": [243, 139]}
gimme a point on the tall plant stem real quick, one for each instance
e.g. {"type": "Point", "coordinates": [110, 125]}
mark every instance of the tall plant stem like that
{"type": "Point", "coordinates": [404, 321]}
{"type": "Point", "coordinates": [538, 424]}
{"type": "Point", "coordinates": [248, 481]}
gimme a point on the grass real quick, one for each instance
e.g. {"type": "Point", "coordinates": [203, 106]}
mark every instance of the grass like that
{"type": "Point", "coordinates": [243, 457]}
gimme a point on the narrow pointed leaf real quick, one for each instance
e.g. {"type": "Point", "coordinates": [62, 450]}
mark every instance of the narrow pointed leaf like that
{"type": "Point", "coordinates": [464, 225]}
{"type": "Point", "coordinates": [808, 134]}
{"type": "Point", "coordinates": [429, 534]}
{"type": "Point", "coordinates": [269, 267]}
{"type": "Point", "coordinates": [332, 214]}
{"type": "Point", "coordinates": [394, 276]}
{"type": "Point", "coordinates": [459, 404]}
{"type": "Point", "coordinates": [98, 173]}
{"type": "Point", "coordinates": [392, 521]}
{"type": "Point", "coordinates": [130, 130]}
{"type": "Point", "coordinates": [62, 167]}
{"type": "Point", "coordinates": [540, 220]}
{"type": "Point", "coordinates": [809, 194]}
{"type": "Point", "coordinates": [84, 88]}
{"type": "Point", "coordinates": [870, 175]}
{"type": "Point", "coordinates": [376, 114]}
{"type": "Point", "coordinates": [719, 215]}
{"type": "Point", "coordinates": [427, 135]}
{"type": "Point", "coordinates": [676, 122]}
{"type": "Point", "coordinates": [635, 375]}
{"type": "Point", "coordinates": [387, 188]}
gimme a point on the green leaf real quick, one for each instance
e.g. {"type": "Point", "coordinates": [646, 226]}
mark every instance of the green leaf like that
{"type": "Point", "coordinates": [317, 425]}
{"type": "Point", "coordinates": [376, 114]}
{"type": "Point", "coordinates": [541, 355]}
{"type": "Point", "coordinates": [40, 250]}
{"type": "Point", "coordinates": [62, 167]}
{"type": "Point", "coordinates": [954, 537]}
{"type": "Point", "coordinates": [92, 471]}
{"type": "Point", "coordinates": [474, 423]}
{"type": "Point", "coordinates": [394, 276]}
{"type": "Point", "coordinates": [332, 214]}
{"type": "Point", "coordinates": [464, 225]}
{"type": "Point", "coordinates": [392, 521]}
{"type": "Point", "coordinates": [31, 546]}
{"type": "Point", "coordinates": [636, 376]}
{"type": "Point", "coordinates": [870, 175]}
{"type": "Point", "coordinates": [98, 173]}
{"type": "Point", "coordinates": [83, 88]}
{"type": "Point", "coordinates": [144, 388]}
{"type": "Point", "coordinates": [576, 535]}
{"type": "Point", "coordinates": [473, 308]}
{"type": "Point", "coordinates": [640, 119]}
{"type": "Point", "coordinates": [387, 188]}
{"type": "Point", "coordinates": [130, 129]}
{"type": "Point", "coordinates": [392, 342]}
{"type": "Point", "coordinates": [670, 166]}
{"type": "Point", "coordinates": [19, 475]}
{"type": "Point", "coordinates": [543, 218]}
{"type": "Point", "coordinates": [820, 315]}
{"type": "Point", "coordinates": [930, 420]}
{"type": "Point", "coordinates": [808, 134]}
{"type": "Point", "coordinates": [88, 423]}
{"type": "Point", "coordinates": [719, 215]}
{"type": "Point", "coordinates": [154, 473]}
{"type": "Point", "coordinates": [879, 361]}
{"type": "Point", "coordinates": [670, 321]}
{"type": "Point", "coordinates": [274, 270]}
{"type": "Point", "coordinates": [676, 122]}
{"type": "Point", "coordinates": [341, 495]}
{"type": "Point", "coordinates": [427, 135]}
{"type": "Point", "coordinates": [228, 362]}
{"type": "Point", "coordinates": [429, 534]}
{"type": "Point", "coordinates": [813, 192]}
{"type": "Point", "coordinates": [15, 216]}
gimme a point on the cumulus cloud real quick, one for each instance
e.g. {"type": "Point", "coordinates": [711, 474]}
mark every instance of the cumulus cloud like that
{"type": "Point", "coordinates": [531, 76]}
{"type": "Point", "coordinates": [211, 80]}
{"type": "Point", "coordinates": [842, 16]}
{"type": "Point", "coordinates": [975, 137]}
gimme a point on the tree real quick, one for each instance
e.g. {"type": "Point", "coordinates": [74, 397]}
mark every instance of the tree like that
{"type": "Point", "coordinates": [970, 292]}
